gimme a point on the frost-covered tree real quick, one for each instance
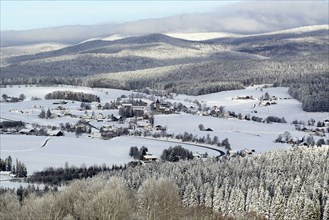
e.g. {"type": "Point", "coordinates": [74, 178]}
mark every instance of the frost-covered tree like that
{"type": "Point", "coordinates": [190, 197]}
{"type": "Point", "coordinates": [42, 114]}
{"type": "Point", "coordinates": [159, 199]}
{"type": "Point", "coordinates": [288, 184]}
{"type": "Point", "coordinates": [320, 142]}
{"type": "Point", "coordinates": [266, 96]}
{"type": "Point", "coordinates": [277, 205]}
{"type": "Point", "coordinates": [48, 113]}
{"type": "Point", "coordinates": [326, 210]}
{"type": "Point", "coordinates": [226, 144]}
{"type": "Point", "coordinates": [22, 97]}
{"type": "Point", "coordinates": [311, 210]}
{"type": "Point", "coordinates": [310, 141]}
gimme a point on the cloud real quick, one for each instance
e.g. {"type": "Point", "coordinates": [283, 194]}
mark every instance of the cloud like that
{"type": "Point", "coordinates": [243, 17]}
{"type": "Point", "coordinates": [256, 17]}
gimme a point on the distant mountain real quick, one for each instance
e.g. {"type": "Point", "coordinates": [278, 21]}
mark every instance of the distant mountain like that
{"type": "Point", "coordinates": [7, 52]}
{"type": "Point", "coordinates": [316, 31]}
{"type": "Point", "coordinates": [239, 17]}
{"type": "Point", "coordinates": [109, 47]}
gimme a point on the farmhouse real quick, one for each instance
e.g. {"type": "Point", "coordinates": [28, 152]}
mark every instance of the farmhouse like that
{"type": "Point", "coordinates": [326, 122]}
{"type": "Point", "coordinates": [87, 117]}
{"type": "Point", "coordinates": [200, 155]}
{"type": "Point", "coordinates": [149, 158]}
{"type": "Point", "coordinates": [144, 124]}
{"type": "Point", "coordinates": [56, 133]}
{"type": "Point", "coordinates": [26, 131]}
{"type": "Point", "coordinates": [163, 108]}
{"type": "Point", "coordinates": [158, 127]}
{"type": "Point", "coordinates": [265, 103]}
{"type": "Point", "coordinates": [274, 98]}
{"type": "Point", "coordinates": [60, 103]}
{"type": "Point", "coordinates": [140, 111]}
{"type": "Point", "coordinates": [100, 117]}
{"type": "Point", "coordinates": [247, 97]}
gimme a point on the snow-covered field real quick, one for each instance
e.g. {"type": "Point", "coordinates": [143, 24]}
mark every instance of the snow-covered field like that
{"type": "Point", "coordinates": [40, 92]}
{"type": "Point", "coordinates": [288, 108]}
{"type": "Point", "coordinates": [241, 134]}
{"type": "Point", "coordinates": [78, 151]}
{"type": "Point", "coordinates": [83, 150]}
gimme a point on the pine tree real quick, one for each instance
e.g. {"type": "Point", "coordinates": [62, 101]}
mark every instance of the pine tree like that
{"type": "Point", "coordinates": [326, 210]}
{"type": "Point", "coordinates": [209, 197]}
{"type": "Point", "coordinates": [42, 114]}
{"type": "Point", "coordinates": [48, 114]}
{"type": "Point", "coordinates": [311, 210]}
{"type": "Point", "coordinates": [277, 205]}
{"type": "Point", "coordinates": [218, 200]}
{"type": "Point", "coordinates": [294, 208]}
{"type": "Point", "coordinates": [267, 96]}
{"type": "Point", "coordinates": [9, 162]}
{"type": "Point", "coordinates": [202, 192]}
{"type": "Point", "coordinates": [251, 200]}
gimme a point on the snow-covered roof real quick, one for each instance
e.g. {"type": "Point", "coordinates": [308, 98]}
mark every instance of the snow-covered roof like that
{"type": "Point", "coordinates": [5, 173]}
{"type": "Point", "coordinates": [54, 132]}
{"type": "Point", "coordinates": [150, 156]}
{"type": "Point", "coordinates": [26, 130]}
{"type": "Point", "coordinates": [127, 104]}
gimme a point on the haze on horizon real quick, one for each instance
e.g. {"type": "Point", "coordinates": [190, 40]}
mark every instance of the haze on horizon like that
{"type": "Point", "coordinates": [70, 22]}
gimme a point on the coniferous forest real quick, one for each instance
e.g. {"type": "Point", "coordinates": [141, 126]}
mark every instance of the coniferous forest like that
{"type": "Point", "coordinates": [287, 184]}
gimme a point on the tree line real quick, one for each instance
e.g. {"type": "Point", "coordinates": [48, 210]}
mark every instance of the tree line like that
{"type": "Point", "coordinates": [18, 168]}
{"type": "Point", "coordinates": [172, 154]}
{"type": "Point", "coordinates": [61, 176]}
{"type": "Point", "coordinates": [74, 96]}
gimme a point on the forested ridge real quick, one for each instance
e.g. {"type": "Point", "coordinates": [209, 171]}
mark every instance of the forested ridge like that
{"type": "Point", "coordinates": [287, 184]}
{"type": "Point", "coordinates": [296, 60]}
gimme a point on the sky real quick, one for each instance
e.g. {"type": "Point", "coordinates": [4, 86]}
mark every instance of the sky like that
{"type": "Point", "coordinates": [24, 15]}
{"type": "Point", "coordinates": [71, 22]}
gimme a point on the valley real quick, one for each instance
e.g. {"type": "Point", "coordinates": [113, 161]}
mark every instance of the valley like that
{"type": "Point", "coordinates": [107, 131]}
{"type": "Point", "coordinates": [209, 113]}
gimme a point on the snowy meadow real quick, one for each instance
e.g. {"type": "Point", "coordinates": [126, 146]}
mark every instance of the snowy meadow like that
{"type": "Point", "coordinates": [89, 150]}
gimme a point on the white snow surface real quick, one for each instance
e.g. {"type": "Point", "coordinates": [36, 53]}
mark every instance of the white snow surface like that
{"type": "Point", "coordinates": [241, 134]}
{"type": "Point", "coordinates": [286, 106]}
{"type": "Point", "coordinates": [42, 91]}
{"type": "Point", "coordinates": [201, 36]}
{"type": "Point", "coordinates": [300, 30]}
{"type": "Point", "coordinates": [78, 151]}
{"type": "Point", "coordinates": [83, 150]}
{"type": "Point", "coordinates": [29, 49]}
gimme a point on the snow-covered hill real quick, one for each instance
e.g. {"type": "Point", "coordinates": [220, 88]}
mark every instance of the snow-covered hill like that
{"type": "Point", "coordinates": [7, 52]}
{"type": "Point", "coordinates": [201, 36]}
{"type": "Point", "coordinates": [158, 50]}
{"type": "Point", "coordinates": [29, 49]}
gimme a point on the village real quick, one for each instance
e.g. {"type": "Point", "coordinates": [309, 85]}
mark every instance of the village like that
{"type": "Point", "coordinates": [87, 126]}
{"type": "Point", "coordinates": [127, 115]}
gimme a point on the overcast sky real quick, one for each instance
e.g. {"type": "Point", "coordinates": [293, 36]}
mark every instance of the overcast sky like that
{"type": "Point", "coordinates": [26, 22]}
{"type": "Point", "coordinates": [24, 15]}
